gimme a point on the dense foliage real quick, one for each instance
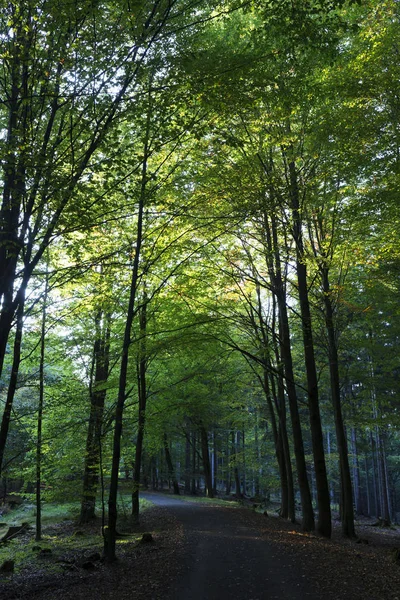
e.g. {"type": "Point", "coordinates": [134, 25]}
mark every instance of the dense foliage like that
{"type": "Point", "coordinates": [199, 257]}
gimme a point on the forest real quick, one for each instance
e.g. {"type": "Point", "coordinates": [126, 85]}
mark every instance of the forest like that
{"type": "Point", "coordinates": [199, 256]}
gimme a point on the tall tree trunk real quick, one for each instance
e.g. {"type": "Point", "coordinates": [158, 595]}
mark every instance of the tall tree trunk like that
{"type": "Point", "coordinates": [367, 487]}
{"type": "Point", "coordinates": [324, 526]}
{"type": "Point", "coordinates": [276, 376]}
{"type": "Point", "coordinates": [170, 466]}
{"type": "Point", "coordinates": [281, 410]}
{"type": "Point", "coordinates": [228, 480]}
{"type": "Point", "coordinates": [286, 353]}
{"type": "Point", "coordinates": [97, 392]}
{"type": "Point", "coordinates": [278, 434]}
{"type": "Point", "coordinates": [235, 464]}
{"type": "Point", "coordinates": [215, 463]}
{"type": "Point", "coordinates": [377, 504]}
{"type": "Point", "coordinates": [39, 448]}
{"type": "Point", "coordinates": [356, 474]}
{"type": "Point", "coordinates": [193, 484]}
{"type": "Point", "coordinates": [14, 190]}
{"type": "Point", "coordinates": [243, 445]}
{"type": "Point", "coordinates": [345, 478]}
{"type": "Point", "coordinates": [279, 289]}
{"type": "Point", "coordinates": [383, 479]}
{"type": "Point", "coordinates": [258, 455]}
{"type": "Point", "coordinates": [142, 392]}
{"type": "Point", "coordinates": [187, 463]}
{"type": "Point", "coordinates": [206, 461]}
{"type": "Point", "coordinates": [111, 533]}
{"type": "Point", "coordinates": [12, 385]}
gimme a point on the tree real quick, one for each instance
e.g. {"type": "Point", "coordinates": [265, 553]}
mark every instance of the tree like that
{"type": "Point", "coordinates": [64, 93]}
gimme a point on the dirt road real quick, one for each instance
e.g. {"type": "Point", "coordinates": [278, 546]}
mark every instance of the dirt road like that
{"type": "Point", "coordinates": [225, 557]}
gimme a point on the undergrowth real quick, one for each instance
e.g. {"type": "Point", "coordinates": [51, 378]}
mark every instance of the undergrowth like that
{"type": "Point", "coordinates": [62, 537]}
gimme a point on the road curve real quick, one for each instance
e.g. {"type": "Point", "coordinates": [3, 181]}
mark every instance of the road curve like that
{"type": "Point", "coordinates": [226, 557]}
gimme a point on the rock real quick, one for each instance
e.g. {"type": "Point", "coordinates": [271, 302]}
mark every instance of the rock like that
{"type": "Point", "coordinates": [13, 531]}
{"type": "Point", "coordinates": [7, 566]}
{"type": "Point", "coordinates": [147, 538]}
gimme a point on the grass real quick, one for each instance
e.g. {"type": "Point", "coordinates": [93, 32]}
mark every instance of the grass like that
{"type": "Point", "coordinates": [59, 534]}
{"type": "Point", "coordinates": [51, 513]}
{"type": "Point", "coordinates": [211, 501]}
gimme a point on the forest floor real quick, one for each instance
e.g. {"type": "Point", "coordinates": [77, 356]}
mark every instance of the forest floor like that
{"type": "Point", "coordinates": [191, 558]}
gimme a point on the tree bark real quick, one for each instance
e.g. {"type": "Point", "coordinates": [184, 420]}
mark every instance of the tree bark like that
{"type": "Point", "coordinates": [97, 392]}
{"type": "Point", "coordinates": [324, 526]}
{"type": "Point", "coordinates": [193, 484]}
{"type": "Point", "coordinates": [12, 385]}
{"type": "Point", "coordinates": [345, 478]}
{"type": "Point", "coordinates": [39, 449]}
{"type": "Point", "coordinates": [215, 463]}
{"type": "Point", "coordinates": [111, 533]}
{"type": "Point", "coordinates": [206, 462]}
{"type": "Point", "coordinates": [187, 463]}
{"type": "Point", "coordinates": [279, 289]}
{"type": "Point", "coordinates": [170, 466]}
{"type": "Point", "coordinates": [142, 392]}
{"type": "Point", "coordinates": [235, 465]}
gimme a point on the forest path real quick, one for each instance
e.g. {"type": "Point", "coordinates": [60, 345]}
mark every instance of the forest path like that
{"type": "Point", "coordinates": [225, 556]}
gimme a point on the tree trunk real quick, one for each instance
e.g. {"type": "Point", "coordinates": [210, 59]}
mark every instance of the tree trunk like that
{"type": "Point", "coordinates": [193, 485]}
{"type": "Point", "coordinates": [375, 476]}
{"type": "Point", "coordinates": [38, 536]}
{"type": "Point", "coordinates": [280, 403]}
{"type": "Point", "coordinates": [346, 491]}
{"type": "Point", "coordinates": [206, 462]}
{"type": "Point", "coordinates": [278, 437]}
{"type": "Point", "coordinates": [215, 464]}
{"type": "Point", "coordinates": [235, 465]}
{"type": "Point", "coordinates": [274, 267]}
{"type": "Point", "coordinates": [170, 466]}
{"type": "Point", "coordinates": [383, 479]}
{"type": "Point", "coordinates": [110, 534]}
{"type": "Point", "coordinates": [258, 455]}
{"type": "Point", "coordinates": [324, 526]}
{"type": "Point", "coordinates": [367, 486]}
{"type": "Point", "coordinates": [12, 385]}
{"type": "Point", "coordinates": [358, 495]}
{"type": "Point", "coordinates": [228, 480]}
{"type": "Point", "coordinates": [142, 392]}
{"type": "Point", "coordinates": [101, 358]}
{"type": "Point", "coordinates": [187, 463]}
